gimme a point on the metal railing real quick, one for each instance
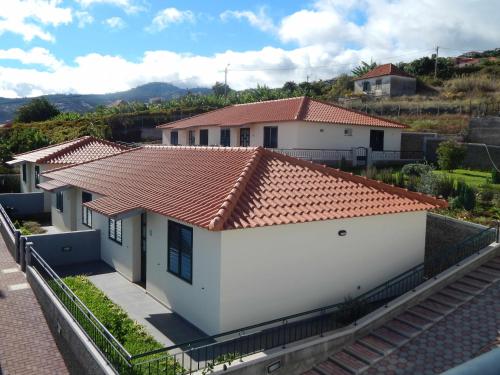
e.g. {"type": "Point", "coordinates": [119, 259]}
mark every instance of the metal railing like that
{"type": "Point", "coordinates": [9, 233]}
{"type": "Point", "coordinates": [390, 155]}
{"type": "Point", "coordinates": [205, 353]}
{"type": "Point", "coordinates": [317, 154]}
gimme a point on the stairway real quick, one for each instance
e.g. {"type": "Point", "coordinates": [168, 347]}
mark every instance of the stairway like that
{"type": "Point", "coordinates": [364, 352]}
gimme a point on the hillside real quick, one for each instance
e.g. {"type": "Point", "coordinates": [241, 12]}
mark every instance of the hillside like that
{"type": "Point", "coordinates": [86, 103]}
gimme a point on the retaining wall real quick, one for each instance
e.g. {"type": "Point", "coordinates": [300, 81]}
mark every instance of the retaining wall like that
{"type": "Point", "coordinates": [484, 130]}
{"type": "Point", "coordinates": [22, 204]}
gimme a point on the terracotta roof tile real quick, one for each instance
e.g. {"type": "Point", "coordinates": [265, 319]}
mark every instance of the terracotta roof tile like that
{"type": "Point", "coordinates": [384, 70]}
{"type": "Point", "coordinates": [294, 109]}
{"type": "Point", "coordinates": [72, 152]}
{"type": "Point", "coordinates": [227, 188]}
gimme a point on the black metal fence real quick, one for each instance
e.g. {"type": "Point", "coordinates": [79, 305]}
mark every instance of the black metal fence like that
{"type": "Point", "coordinates": [204, 354]}
{"type": "Point", "coordinates": [9, 233]}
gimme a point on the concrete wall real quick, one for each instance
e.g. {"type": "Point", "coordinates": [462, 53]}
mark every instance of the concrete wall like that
{"type": "Point", "coordinates": [67, 248]}
{"type": "Point", "coordinates": [383, 89]}
{"type": "Point", "coordinates": [65, 220]}
{"type": "Point", "coordinates": [197, 302]}
{"type": "Point", "coordinates": [403, 86]}
{"type": "Point", "coordinates": [23, 204]}
{"type": "Point", "coordinates": [280, 270]}
{"type": "Point", "coordinates": [484, 130]}
{"type": "Point", "coordinates": [299, 134]}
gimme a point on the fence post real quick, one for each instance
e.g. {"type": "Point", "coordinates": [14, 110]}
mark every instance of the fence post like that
{"type": "Point", "coordinates": [498, 231]}
{"type": "Point", "coordinates": [22, 253]}
{"type": "Point", "coordinates": [354, 157]}
{"type": "Point", "coordinates": [17, 235]}
{"type": "Point", "coordinates": [27, 247]}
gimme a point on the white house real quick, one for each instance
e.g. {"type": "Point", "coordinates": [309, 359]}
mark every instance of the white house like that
{"type": "Point", "coordinates": [32, 164]}
{"type": "Point", "coordinates": [228, 237]}
{"type": "Point", "coordinates": [386, 80]}
{"type": "Point", "coordinates": [289, 125]}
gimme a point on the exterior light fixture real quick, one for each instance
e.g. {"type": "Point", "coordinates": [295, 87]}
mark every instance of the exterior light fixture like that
{"type": "Point", "coordinates": [342, 233]}
{"type": "Point", "coordinates": [273, 367]}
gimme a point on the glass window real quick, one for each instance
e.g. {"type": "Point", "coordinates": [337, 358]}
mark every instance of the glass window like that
{"type": "Point", "coordinates": [348, 132]}
{"type": "Point", "coordinates": [204, 137]}
{"type": "Point", "coordinates": [115, 230]}
{"type": "Point", "coordinates": [191, 138]}
{"type": "Point", "coordinates": [225, 137]}
{"type": "Point", "coordinates": [270, 136]}
{"type": "Point", "coordinates": [59, 201]}
{"type": "Point", "coordinates": [174, 138]}
{"type": "Point", "coordinates": [86, 212]}
{"type": "Point", "coordinates": [37, 174]}
{"type": "Point", "coordinates": [180, 251]}
{"type": "Point", "coordinates": [245, 137]}
{"type": "Point", "coordinates": [366, 86]}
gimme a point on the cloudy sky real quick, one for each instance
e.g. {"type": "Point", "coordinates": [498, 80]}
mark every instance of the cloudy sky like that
{"type": "Point", "coordinates": [99, 46]}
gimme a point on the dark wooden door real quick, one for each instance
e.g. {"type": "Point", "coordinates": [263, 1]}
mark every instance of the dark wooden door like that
{"type": "Point", "coordinates": [377, 140]}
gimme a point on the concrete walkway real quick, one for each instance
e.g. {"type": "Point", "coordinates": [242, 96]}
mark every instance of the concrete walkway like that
{"type": "Point", "coordinates": [26, 343]}
{"type": "Point", "coordinates": [164, 325]}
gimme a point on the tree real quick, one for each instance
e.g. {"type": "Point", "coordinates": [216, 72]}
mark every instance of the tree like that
{"type": "Point", "coordinates": [342, 86]}
{"type": "Point", "coordinates": [363, 68]}
{"type": "Point", "coordinates": [38, 109]}
{"type": "Point", "coordinates": [450, 155]}
{"type": "Point", "coordinates": [23, 139]}
{"type": "Point", "coordinates": [290, 87]}
{"type": "Point", "coordinates": [220, 89]}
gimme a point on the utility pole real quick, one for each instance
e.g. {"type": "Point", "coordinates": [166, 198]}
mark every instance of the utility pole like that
{"type": "Point", "coordinates": [436, 62]}
{"type": "Point", "coordinates": [225, 80]}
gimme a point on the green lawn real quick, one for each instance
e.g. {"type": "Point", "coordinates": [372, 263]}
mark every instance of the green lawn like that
{"type": "Point", "coordinates": [472, 178]}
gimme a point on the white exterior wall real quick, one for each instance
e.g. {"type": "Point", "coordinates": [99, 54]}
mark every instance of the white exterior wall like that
{"type": "Point", "coordinates": [300, 134]}
{"type": "Point", "coordinates": [197, 302]}
{"type": "Point", "coordinates": [280, 270]}
{"type": "Point", "coordinates": [66, 220]}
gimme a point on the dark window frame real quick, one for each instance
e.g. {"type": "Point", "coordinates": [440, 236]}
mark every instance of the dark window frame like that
{"type": "Point", "coordinates": [244, 137]}
{"type": "Point", "coordinates": [174, 138]}
{"type": "Point", "coordinates": [203, 141]}
{"type": "Point", "coordinates": [37, 175]}
{"type": "Point", "coordinates": [60, 201]}
{"type": "Point", "coordinates": [225, 137]}
{"type": "Point", "coordinates": [86, 212]}
{"type": "Point", "coordinates": [191, 138]}
{"type": "Point", "coordinates": [366, 86]}
{"type": "Point", "coordinates": [176, 249]}
{"type": "Point", "coordinates": [114, 234]}
{"type": "Point", "coordinates": [270, 137]}
{"type": "Point", "coordinates": [24, 172]}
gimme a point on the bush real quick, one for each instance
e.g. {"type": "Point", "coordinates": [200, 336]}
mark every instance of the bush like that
{"type": "Point", "coordinates": [445, 186]}
{"type": "Point", "coordinates": [428, 184]}
{"type": "Point", "coordinates": [466, 197]}
{"type": "Point", "coordinates": [450, 155]}
{"type": "Point", "coordinates": [386, 176]}
{"type": "Point", "coordinates": [416, 169]}
{"type": "Point", "coordinates": [495, 176]}
{"type": "Point", "coordinates": [412, 183]}
{"type": "Point", "coordinates": [399, 179]}
{"type": "Point", "coordinates": [38, 109]}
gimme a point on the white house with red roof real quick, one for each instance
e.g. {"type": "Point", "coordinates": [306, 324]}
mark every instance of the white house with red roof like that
{"type": "Point", "coordinates": [300, 127]}
{"type": "Point", "coordinates": [231, 236]}
{"type": "Point", "coordinates": [386, 80]}
{"type": "Point", "coordinates": [32, 164]}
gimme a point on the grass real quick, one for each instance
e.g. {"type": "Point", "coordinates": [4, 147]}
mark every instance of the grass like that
{"type": "Point", "coordinates": [129, 333]}
{"type": "Point", "coordinates": [473, 178]}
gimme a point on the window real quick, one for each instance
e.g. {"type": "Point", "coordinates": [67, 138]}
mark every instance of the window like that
{"type": "Point", "coordinates": [245, 137]}
{"type": "Point", "coordinates": [174, 138]}
{"type": "Point", "coordinates": [180, 251]}
{"type": "Point", "coordinates": [24, 172]}
{"type": "Point", "coordinates": [366, 86]}
{"type": "Point", "coordinates": [204, 137]}
{"type": "Point", "coordinates": [191, 138]}
{"type": "Point", "coordinates": [37, 174]}
{"type": "Point", "coordinates": [225, 137]}
{"type": "Point", "coordinates": [378, 84]}
{"type": "Point", "coordinates": [86, 212]}
{"type": "Point", "coordinates": [270, 136]}
{"type": "Point", "coordinates": [377, 140]}
{"type": "Point", "coordinates": [348, 132]}
{"type": "Point", "coordinates": [115, 230]}
{"type": "Point", "coordinates": [59, 201]}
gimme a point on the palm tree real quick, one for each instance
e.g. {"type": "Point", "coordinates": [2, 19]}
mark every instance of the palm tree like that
{"type": "Point", "coordinates": [364, 68]}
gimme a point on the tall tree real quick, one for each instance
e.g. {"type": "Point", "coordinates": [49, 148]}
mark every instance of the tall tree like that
{"type": "Point", "coordinates": [38, 109]}
{"type": "Point", "coordinates": [364, 68]}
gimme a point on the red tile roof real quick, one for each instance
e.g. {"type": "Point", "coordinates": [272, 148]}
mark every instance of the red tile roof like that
{"type": "Point", "coordinates": [293, 109]}
{"type": "Point", "coordinates": [226, 188]}
{"type": "Point", "coordinates": [72, 152]}
{"type": "Point", "coordinates": [384, 70]}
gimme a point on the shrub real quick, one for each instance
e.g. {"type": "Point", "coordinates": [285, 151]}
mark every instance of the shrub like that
{"type": "Point", "coordinates": [495, 176]}
{"type": "Point", "coordinates": [450, 155]}
{"type": "Point", "coordinates": [428, 184]}
{"type": "Point", "coordinates": [486, 195]}
{"type": "Point", "coordinates": [445, 186]}
{"type": "Point", "coordinates": [416, 169]}
{"type": "Point", "coordinates": [399, 179]}
{"type": "Point", "coordinates": [474, 84]}
{"type": "Point", "coordinates": [386, 176]}
{"type": "Point", "coordinates": [466, 196]}
{"type": "Point", "coordinates": [412, 183]}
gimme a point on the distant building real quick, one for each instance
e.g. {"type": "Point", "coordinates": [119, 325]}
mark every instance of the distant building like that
{"type": "Point", "coordinates": [386, 80]}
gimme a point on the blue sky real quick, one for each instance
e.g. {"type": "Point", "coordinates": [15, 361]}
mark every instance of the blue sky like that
{"type": "Point", "coordinates": [96, 46]}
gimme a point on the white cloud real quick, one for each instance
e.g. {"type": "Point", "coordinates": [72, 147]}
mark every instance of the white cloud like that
{"type": "Point", "coordinates": [84, 18]}
{"type": "Point", "coordinates": [168, 16]}
{"type": "Point", "coordinates": [37, 55]}
{"type": "Point", "coordinates": [29, 18]}
{"type": "Point", "coordinates": [129, 6]}
{"type": "Point", "coordinates": [115, 23]}
{"type": "Point", "coordinates": [259, 20]}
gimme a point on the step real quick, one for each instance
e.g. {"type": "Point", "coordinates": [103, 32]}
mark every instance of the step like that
{"type": "Point", "coordinates": [401, 328]}
{"type": "Point", "coordinates": [490, 271]}
{"type": "Point", "coordinates": [482, 276]}
{"type": "Point", "coordinates": [465, 288]}
{"type": "Point", "coordinates": [374, 343]}
{"type": "Point", "coordinates": [414, 320]}
{"type": "Point", "coordinates": [436, 306]}
{"type": "Point", "coordinates": [474, 282]}
{"type": "Point", "coordinates": [390, 336]}
{"type": "Point", "coordinates": [456, 294]}
{"type": "Point", "coordinates": [493, 265]}
{"type": "Point", "coordinates": [331, 368]}
{"type": "Point", "coordinates": [424, 313]}
{"type": "Point", "coordinates": [495, 261]}
{"type": "Point", "coordinates": [362, 352]}
{"type": "Point", "coordinates": [349, 362]}
{"type": "Point", "coordinates": [445, 300]}
{"type": "Point", "coordinates": [311, 372]}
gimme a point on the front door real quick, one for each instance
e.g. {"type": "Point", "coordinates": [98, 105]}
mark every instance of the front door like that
{"type": "Point", "coordinates": [143, 247]}
{"type": "Point", "coordinates": [377, 140]}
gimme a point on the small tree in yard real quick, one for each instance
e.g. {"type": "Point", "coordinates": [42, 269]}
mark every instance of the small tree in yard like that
{"type": "Point", "coordinates": [38, 109]}
{"type": "Point", "coordinates": [450, 155]}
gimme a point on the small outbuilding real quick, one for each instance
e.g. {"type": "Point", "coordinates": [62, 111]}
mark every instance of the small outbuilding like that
{"type": "Point", "coordinates": [386, 80]}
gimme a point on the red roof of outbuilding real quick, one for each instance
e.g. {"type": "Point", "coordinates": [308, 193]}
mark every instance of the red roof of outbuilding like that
{"type": "Point", "coordinates": [384, 70]}
{"type": "Point", "coordinates": [221, 188]}
{"type": "Point", "coordinates": [293, 109]}
{"type": "Point", "coordinates": [72, 152]}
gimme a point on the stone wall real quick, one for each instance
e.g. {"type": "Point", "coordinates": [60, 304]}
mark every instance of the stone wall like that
{"type": "Point", "coordinates": [484, 130]}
